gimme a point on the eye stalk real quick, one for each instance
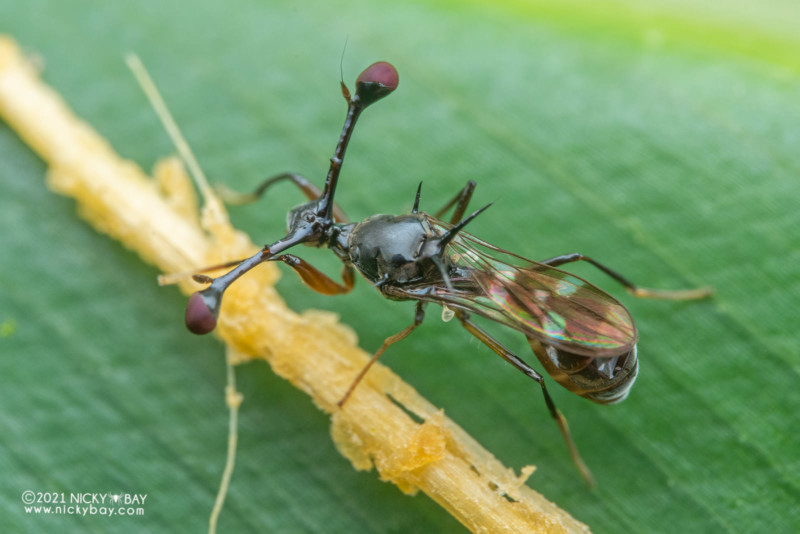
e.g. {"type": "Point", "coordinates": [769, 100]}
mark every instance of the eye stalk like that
{"type": "Point", "coordinates": [374, 83]}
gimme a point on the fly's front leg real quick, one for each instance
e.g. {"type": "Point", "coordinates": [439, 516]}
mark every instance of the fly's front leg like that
{"type": "Point", "coordinates": [636, 291]}
{"type": "Point", "coordinates": [461, 201]}
{"type": "Point", "coordinates": [316, 279]}
{"type": "Point", "coordinates": [419, 315]}
{"type": "Point", "coordinates": [311, 192]}
{"type": "Point", "coordinates": [517, 362]}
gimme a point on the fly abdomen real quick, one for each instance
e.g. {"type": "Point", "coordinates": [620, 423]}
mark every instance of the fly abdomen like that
{"type": "Point", "coordinates": [601, 380]}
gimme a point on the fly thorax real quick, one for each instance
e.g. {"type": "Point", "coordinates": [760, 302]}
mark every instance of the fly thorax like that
{"type": "Point", "coordinates": [386, 248]}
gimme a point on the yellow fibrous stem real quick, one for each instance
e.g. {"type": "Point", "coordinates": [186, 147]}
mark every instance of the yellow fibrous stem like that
{"type": "Point", "coordinates": [159, 220]}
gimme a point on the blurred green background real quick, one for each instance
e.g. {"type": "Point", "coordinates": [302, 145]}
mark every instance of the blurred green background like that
{"type": "Point", "coordinates": [659, 137]}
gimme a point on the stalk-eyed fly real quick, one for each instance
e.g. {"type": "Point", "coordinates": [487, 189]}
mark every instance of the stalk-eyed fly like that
{"type": "Point", "coordinates": [584, 338]}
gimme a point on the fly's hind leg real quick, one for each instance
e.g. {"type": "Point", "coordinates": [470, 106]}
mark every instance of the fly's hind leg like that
{"type": "Point", "coordinates": [419, 315]}
{"type": "Point", "coordinates": [636, 291]}
{"type": "Point", "coordinates": [517, 362]}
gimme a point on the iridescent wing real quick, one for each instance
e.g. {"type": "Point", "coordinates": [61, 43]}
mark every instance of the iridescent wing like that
{"type": "Point", "coordinates": [551, 305]}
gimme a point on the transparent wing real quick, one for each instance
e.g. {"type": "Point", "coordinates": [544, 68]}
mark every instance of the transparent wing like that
{"type": "Point", "coordinates": [543, 302]}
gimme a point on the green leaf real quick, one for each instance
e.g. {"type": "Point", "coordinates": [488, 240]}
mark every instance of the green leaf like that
{"type": "Point", "coordinates": [658, 137]}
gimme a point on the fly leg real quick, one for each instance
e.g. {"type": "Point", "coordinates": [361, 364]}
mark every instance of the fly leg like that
{"type": "Point", "coordinates": [316, 279]}
{"type": "Point", "coordinates": [517, 362]}
{"type": "Point", "coordinates": [460, 201]}
{"type": "Point", "coordinates": [311, 192]}
{"type": "Point", "coordinates": [419, 315]}
{"type": "Point", "coordinates": [636, 291]}
{"type": "Point", "coordinates": [311, 276]}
